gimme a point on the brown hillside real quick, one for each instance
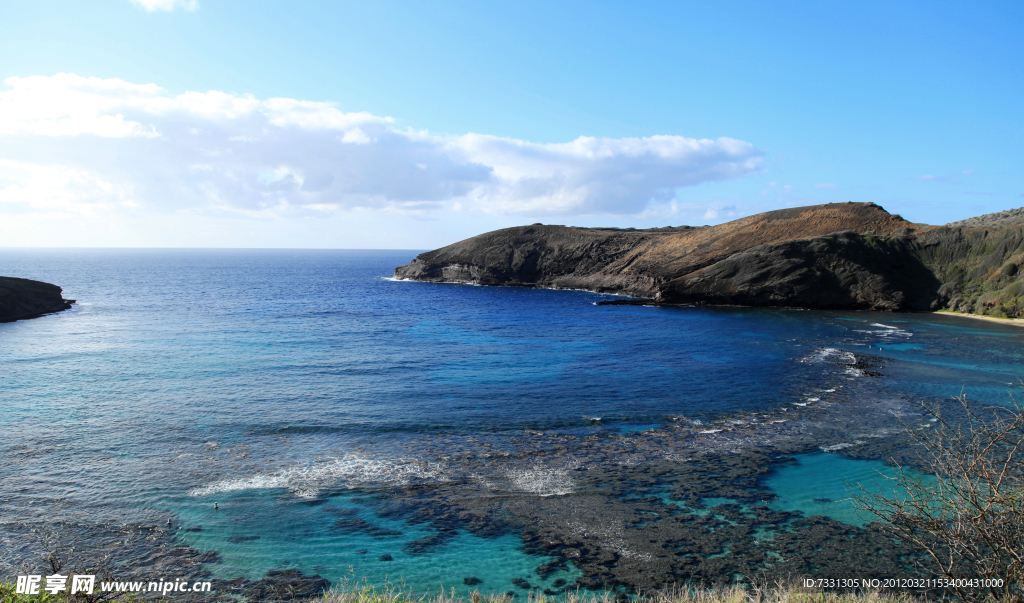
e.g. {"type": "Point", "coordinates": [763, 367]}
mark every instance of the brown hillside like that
{"type": "Point", "coordinates": [636, 262]}
{"type": "Point", "coordinates": [846, 255]}
{"type": "Point", "coordinates": [680, 254]}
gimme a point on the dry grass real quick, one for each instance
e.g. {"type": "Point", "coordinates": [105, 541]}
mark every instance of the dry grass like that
{"type": "Point", "coordinates": [778, 593]}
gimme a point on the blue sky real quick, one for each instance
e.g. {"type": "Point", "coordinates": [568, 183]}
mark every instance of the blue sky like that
{"type": "Point", "coordinates": [207, 123]}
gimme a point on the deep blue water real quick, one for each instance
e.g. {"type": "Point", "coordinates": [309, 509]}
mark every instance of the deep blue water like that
{"type": "Point", "coordinates": [261, 379]}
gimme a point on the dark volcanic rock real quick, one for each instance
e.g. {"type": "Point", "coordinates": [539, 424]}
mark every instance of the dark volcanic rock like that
{"type": "Point", "coordinates": [286, 585]}
{"type": "Point", "coordinates": [22, 298]}
{"type": "Point", "coordinates": [842, 270]}
{"type": "Point", "coordinates": [240, 539]}
{"type": "Point", "coordinates": [840, 255]}
{"type": "Point", "coordinates": [635, 262]}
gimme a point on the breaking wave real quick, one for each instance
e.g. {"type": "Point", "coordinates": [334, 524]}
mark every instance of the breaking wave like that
{"type": "Point", "coordinates": [542, 481]}
{"type": "Point", "coordinates": [350, 471]}
{"type": "Point", "coordinates": [832, 355]}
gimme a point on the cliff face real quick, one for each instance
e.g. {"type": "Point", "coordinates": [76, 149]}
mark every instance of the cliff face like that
{"type": "Point", "coordinates": [22, 298]}
{"type": "Point", "coordinates": [636, 262]}
{"type": "Point", "coordinates": [841, 270]}
{"type": "Point", "coordinates": [849, 255]}
{"type": "Point", "coordinates": [980, 268]}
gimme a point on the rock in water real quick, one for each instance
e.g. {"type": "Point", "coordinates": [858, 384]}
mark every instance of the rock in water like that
{"type": "Point", "coordinates": [22, 298]}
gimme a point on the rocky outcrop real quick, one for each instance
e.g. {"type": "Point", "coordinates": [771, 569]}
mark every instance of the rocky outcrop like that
{"type": "Point", "coordinates": [635, 262]}
{"type": "Point", "coordinates": [1010, 217]}
{"type": "Point", "coordinates": [22, 298]}
{"type": "Point", "coordinates": [841, 270]}
{"type": "Point", "coordinates": [848, 255]}
{"type": "Point", "coordinates": [981, 269]}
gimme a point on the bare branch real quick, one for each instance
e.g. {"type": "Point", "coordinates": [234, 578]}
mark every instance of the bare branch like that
{"type": "Point", "coordinates": [969, 516]}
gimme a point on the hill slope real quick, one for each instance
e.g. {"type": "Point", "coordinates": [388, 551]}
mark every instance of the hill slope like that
{"type": "Point", "coordinates": [1010, 217]}
{"type": "Point", "coordinates": [847, 255]}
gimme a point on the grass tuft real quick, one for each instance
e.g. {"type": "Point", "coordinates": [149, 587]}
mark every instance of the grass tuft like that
{"type": "Point", "coordinates": [778, 593]}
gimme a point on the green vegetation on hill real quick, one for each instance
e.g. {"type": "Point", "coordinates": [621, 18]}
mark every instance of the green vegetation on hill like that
{"type": "Point", "coordinates": [980, 269]}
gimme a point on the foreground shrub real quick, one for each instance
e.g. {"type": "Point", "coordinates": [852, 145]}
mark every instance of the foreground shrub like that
{"type": "Point", "coordinates": [970, 520]}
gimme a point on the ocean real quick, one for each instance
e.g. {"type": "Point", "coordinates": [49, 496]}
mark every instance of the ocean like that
{"type": "Point", "coordinates": [274, 418]}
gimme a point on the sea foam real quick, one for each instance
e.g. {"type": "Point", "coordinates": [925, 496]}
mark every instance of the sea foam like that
{"type": "Point", "coordinates": [350, 471]}
{"type": "Point", "coordinates": [542, 481]}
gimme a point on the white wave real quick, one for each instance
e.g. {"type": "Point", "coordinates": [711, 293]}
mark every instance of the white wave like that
{"type": "Point", "coordinates": [412, 280]}
{"type": "Point", "coordinates": [542, 481]}
{"type": "Point", "coordinates": [830, 355]}
{"type": "Point", "coordinates": [836, 356]}
{"type": "Point", "coordinates": [349, 471]}
{"type": "Point", "coordinates": [628, 553]}
{"type": "Point", "coordinates": [710, 431]}
{"type": "Point", "coordinates": [890, 331]}
{"type": "Point", "coordinates": [477, 284]}
{"type": "Point", "coordinates": [842, 446]}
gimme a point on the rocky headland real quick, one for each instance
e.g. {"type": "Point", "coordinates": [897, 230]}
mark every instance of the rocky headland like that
{"type": "Point", "coordinates": [22, 298]}
{"type": "Point", "coordinates": [838, 255]}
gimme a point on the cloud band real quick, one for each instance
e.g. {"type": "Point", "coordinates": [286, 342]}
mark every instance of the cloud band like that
{"type": "Point", "coordinates": [118, 144]}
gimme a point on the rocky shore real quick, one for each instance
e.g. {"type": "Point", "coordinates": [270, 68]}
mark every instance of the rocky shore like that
{"type": "Point", "coordinates": [838, 256]}
{"type": "Point", "coordinates": [22, 298]}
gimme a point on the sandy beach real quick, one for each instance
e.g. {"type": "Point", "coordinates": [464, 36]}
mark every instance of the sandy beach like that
{"type": "Point", "coordinates": [1017, 322]}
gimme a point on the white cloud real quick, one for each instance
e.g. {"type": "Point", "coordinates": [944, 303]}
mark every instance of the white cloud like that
{"type": "Point", "coordinates": [155, 5]}
{"type": "Point", "coordinates": [121, 144]}
{"type": "Point", "coordinates": [780, 191]}
{"type": "Point", "coordinates": [948, 179]}
{"type": "Point", "coordinates": [720, 212]}
{"type": "Point", "coordinates": [58, 189]}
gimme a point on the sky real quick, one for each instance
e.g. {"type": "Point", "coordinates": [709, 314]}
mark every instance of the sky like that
{"type": "Point", "coordinates": [412, 125]}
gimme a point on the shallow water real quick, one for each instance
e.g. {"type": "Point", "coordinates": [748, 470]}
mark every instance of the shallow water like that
{"type": "Point", "coordinates": [835, 480]}
{"type": "Point", "coordinates": [304, 390]}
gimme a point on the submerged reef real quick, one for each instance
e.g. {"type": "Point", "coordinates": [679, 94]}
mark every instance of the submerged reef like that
{"type": "Point", "coordinates": [22, 298]}
{"type": "Point", "coordinates": [689, 501]}
{"type": "Point", "coordinates": [601, 507]}
{"type": "Point", "coordinates": [838, 255]}
{"type": "Point", "coordinates": [686, 503]}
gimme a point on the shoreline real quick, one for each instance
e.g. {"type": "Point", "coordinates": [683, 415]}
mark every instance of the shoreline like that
{"type": "Point", "coordinates": [633, 300]}
{"type": "Point", "coordinates": [1016, 322]}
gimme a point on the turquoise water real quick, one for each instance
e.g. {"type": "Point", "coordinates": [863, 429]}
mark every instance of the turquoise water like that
{"type": "Point", "coordinates": [336, 416]}
{"type": "Point", "coordinates": [825, 484]}
{"type": "Point", "coordinates": [352, 552]}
